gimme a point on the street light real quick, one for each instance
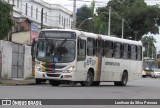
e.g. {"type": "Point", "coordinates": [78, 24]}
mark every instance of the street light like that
{"type": "Point", "coordinates": [84, 21]}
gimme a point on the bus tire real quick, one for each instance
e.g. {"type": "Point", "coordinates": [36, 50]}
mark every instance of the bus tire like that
{"type": "Point", "coordinates": [123, 81]}
{"type": "Point", "coordinates": [54, 83]}
{"type": "Point", "coordinates": [96, 83]}
{"type": "Point", "coordinates": [39, 81]}
{"type": "Point", "coordinates": [143, 76]}
{"type": "Point", "coordinates": [89, 80]}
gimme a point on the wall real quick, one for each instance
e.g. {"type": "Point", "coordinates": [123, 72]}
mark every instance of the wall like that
{"type": "Point", "coordinates": [21, 37]}
{"type": "Point", "coordinates": [27, 62]}
{"type": "Point", "coordinates": [6, 49]}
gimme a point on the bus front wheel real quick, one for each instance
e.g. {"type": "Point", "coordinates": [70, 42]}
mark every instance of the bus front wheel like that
{"type": "Point", "coordinates": [89, 79]}
{"type": "Point", "coordinates": [124, 80]}
{"type": "Point", "coordinates": [54, 83]}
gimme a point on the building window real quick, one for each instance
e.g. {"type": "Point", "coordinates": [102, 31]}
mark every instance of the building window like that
{"type": "Point", "coordinates": [13, 2]}
{"type": "Point", "coordinates": [46, 17]}
{"type": "Point", "coordinates": [26, 8]}
{"type": "Point", "coordinates": [18, 3]}
{"type": "Point", "coordinates": [59, 18]}
{"type": "Point", "coordinates": [62, 20]}
{"type": "Point", "coordinates": [31, 11]}
{"type": "Point", "coordinates": [36, 13]}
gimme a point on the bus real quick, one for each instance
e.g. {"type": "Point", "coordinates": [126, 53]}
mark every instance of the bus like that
{"type": "Point", "coordinates": [64, 56]}
{"type": "Point", "coordinates": [149, 64]}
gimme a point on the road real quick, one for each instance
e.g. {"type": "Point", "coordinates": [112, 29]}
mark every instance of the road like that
{"type": "Point", "coordinates": [144, 88]}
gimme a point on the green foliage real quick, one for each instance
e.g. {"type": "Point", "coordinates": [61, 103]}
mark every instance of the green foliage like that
{"type": "Point", "coordinates": [139, 19]}
{"type": "Point", "coordinates": [148, 44]}
{"type": "Point", "coordinates": [83, 13]}
{"type": "Point", "coordinates": [5, 19]}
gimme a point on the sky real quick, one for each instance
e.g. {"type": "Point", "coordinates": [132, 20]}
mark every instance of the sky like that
{"type": "Point", "coordinates": [100, 3]}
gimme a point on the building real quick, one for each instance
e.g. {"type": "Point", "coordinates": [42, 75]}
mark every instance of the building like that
{"type": "Point", "coordinates": [26, 12]}
{"type": "Point", "coordinates": [54, 15]}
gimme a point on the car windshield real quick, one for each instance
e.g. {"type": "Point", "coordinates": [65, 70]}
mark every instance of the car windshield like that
{"type": "Point", "coordinates": [156, 70]}
{"type": "Point", "coordinates": [56, 50]}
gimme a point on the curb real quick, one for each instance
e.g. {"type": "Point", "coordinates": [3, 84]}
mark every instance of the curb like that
{"type": "Point", "coordinates": [16, 82]}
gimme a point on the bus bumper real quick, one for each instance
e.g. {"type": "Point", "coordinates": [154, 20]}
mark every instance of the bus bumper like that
{"type": "Point", "coordinates": [55, 76]}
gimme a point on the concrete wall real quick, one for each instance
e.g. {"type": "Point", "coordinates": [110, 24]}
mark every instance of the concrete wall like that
{"type": "Point", "coordinates": [21, 37]}
{"type": "Point", "coordinates": [6, 49]}
{"type": "Point", "coordinates": [27, 62]}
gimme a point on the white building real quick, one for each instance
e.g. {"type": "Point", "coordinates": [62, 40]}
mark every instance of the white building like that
{"type": "Point", "coordinates": [54, 15]}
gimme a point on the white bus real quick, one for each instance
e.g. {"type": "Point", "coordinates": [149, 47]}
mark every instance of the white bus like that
{"type": "Point", "coordinates": [76, 56]}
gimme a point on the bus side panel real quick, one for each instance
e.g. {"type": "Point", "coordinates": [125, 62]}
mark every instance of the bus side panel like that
{"type": "Point", "coordinates": [81, 73]}
{"type": "Point", "coordinates": [125, 66]}
{"type": "Point", "coordinates": [133, 69]}
{"type": "Point", "coordinates": [112, 69]}
{"type": "Point", "coordinates": [139, 69]}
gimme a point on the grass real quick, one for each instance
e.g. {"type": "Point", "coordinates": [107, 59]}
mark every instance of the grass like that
{"type": "Point", "coordinates": [1, 82]}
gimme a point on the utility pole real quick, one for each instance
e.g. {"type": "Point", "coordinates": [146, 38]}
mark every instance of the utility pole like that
{"type": "Point", "coordinates": [152, 51]}
{"type": "Point", "coordinates": [122, 27]}
{"type": "Point", "coordinates": [42, 19]}
{"type": "Point", "coordinates": [148, 50]}
{"type": "Point", "coordinates": [74, 15]}
{"type": "Point", "coordinates": [109, 21]}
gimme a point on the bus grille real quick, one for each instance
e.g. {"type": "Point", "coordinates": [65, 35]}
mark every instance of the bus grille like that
{"type": "Point", "coordinates": [53, 75]}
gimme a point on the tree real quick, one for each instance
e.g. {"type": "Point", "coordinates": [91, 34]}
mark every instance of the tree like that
{"type": "Point", "coordinates": [5, 19]}
{"type": "Point", "coordinates": [83, 13]}
{"type": "Point", "coordinates": [148, 44]}
{"type": "Point", "coordinates": [139, 18]}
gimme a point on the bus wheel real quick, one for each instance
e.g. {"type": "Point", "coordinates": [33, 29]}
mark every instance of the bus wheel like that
{"type": "Point", "coordinates": [39, 81]}
{"type": "Point", "coordinates": [96, 83]}
{"type": "Point", "coordinates": [54, 83]}
{"type": "Point", "coordinates": [89, 80]}
{"type": "Point", "coordinates": [124, 80]}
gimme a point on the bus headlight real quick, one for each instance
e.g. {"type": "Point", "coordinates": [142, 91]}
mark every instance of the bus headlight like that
{"type": "Point", "coordinates": [39, 68]}
{"type": "Point", "coordinates": [69, 69]}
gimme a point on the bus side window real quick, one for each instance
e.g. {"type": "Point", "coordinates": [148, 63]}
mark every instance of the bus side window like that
{"type": "Point", "coordinates": [117, 50]}
{"type": "Point", "coordinates": [129, 51]}
{"type": "Point", "coordinates": [90, 47]}
{"type": "Point", "coordinates": [99, 47]}
{"type": "Point", "coordinates": [121, 50]}
{"type": "Point", "coordinates": [81, 50]}
{"type": "Point", "coordinates": [133, 52]}
{"type": "Point", "coordinates": [125, 51]}
{"type": "Point", "coordinates": [139, 53]}
{"type": "Point", "coordinates": [108, 49]}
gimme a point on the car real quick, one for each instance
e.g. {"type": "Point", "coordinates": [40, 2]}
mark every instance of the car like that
{"type": "Point", "coordinates": [156, 73]}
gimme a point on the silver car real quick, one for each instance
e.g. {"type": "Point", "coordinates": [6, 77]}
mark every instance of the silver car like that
{"type": "Point", "coordinates": [156, 73]}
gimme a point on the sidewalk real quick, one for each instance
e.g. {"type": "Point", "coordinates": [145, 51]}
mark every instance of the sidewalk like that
{"type": "Point", "coordinates": [16, 81]}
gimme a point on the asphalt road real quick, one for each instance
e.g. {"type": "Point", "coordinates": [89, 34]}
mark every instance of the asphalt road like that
{"type": "Point", "coordinates": [145, 88]}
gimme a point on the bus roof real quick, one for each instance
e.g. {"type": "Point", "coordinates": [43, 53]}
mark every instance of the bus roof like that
{"type": "Point", "coordinates": [104, 37]}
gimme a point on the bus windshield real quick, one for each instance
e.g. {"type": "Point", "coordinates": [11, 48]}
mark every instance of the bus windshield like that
{"type": "Point", "coordinates": [56, 50]}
